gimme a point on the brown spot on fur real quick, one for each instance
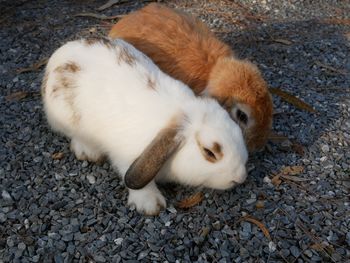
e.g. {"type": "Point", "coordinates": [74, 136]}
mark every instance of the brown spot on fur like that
{"type": "Point", "coordinates": [151, 83]}
{"type": "Point", "coordinates": [125, 56]}
{"type": "Point", "coordinates": [151, 160]}
{"type": "Point", "coordinates": [65, 86]}
{"type": "Point", "coordinates": [98, 40]}
{"type": "Point", "coordinates": [70, 67]}
{"type": "Point", "coordinates": [212, 154]}
{"type": "Point", "coordinates": [217, 149]}
{"type": "Point", "coordinates": [44, 84]}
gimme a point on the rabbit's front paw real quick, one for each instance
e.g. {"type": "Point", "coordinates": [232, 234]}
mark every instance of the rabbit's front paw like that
{"type": "Point", "coordinates": [147, 201]}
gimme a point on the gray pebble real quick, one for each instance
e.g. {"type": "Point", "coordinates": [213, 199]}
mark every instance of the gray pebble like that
{"type": "Point", "coordinates": [294, 251]}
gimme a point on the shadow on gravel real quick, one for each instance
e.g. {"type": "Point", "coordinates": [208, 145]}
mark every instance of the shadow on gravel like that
{"type": "Point", "coordinates": [307, 59]}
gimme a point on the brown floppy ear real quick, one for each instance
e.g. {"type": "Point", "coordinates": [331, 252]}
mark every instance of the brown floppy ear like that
{"type": "Point", "coordinates": [151, 160]}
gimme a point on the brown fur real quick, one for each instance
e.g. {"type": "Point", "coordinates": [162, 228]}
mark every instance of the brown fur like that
{"type": "Point", "coordinates": [125, 56]}
{"type": "Point", "coordinates": [183, 47]}
{"type": "Point", "coordinates": [98, 40]}
{"type": "Point", "coordinates": [66, 82]}
{"type": "Point", "coordinates": [151, 160]}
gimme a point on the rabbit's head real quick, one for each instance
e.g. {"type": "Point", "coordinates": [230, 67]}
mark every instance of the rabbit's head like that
{"type": "Point", "coordinates": [201, 147]}
{"type": "Point", "coordinates": [242, 91]}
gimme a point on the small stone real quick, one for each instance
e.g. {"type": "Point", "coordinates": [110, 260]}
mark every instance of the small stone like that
{"type": "Point", "coordinates": [54, 235]}
{"type": "Point", "coordinates": [272, 246]}
{"type": "Point", "coordinates": [325, 148]}
{"type": "Point", "coordinates": [118, 241]}
{"type": "Point", "coordinates": [67, 237]}
{"type": "Point", "coordinates": [247, 227]}
{"type": "Point", "coordinates": [99, 258]}
{"type": "Point", "coordinates": [36, 258]}
{"type": "Point", "coordinates": [172, 209]}
{"type": "Point", "coordinates": [267, 180]}
{"type": "Point", "coordinates": [294, 251]}
{"type": "Point", "coordinates": [10, 242]}
{"type": "Point", "coordinates": [308, 253]}
{"type": "Point", "coordinates": [59, 177]}
{"type": "Point", "coordinates": [3, 217]}
{"type": "Point", "coordinates": [323, 159]}
{"type": "Point", "coordinates": [21, 246]}
{"type": "Point", "coordinates": [142, 255]}
{"type": "Point", "coordinates": [91, 179]}
{"type": "Point", "coordinates": [58, 258]}
{"type": "Point", "coordinates": [6, 195]}
{"type": "Point", "coordinates": [250, 201]}
{"type": "Point", "coordinates": [217, 225]}
{"type": "Point", "coordinates": [243, 252]}
{"type": "Point", "coordinates": [285, 252]}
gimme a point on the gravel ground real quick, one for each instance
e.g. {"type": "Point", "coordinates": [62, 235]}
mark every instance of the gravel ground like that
{"type": "Point", "coordinates": [54, 208]}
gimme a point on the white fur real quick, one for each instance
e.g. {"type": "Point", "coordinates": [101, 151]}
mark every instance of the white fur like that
{"type": "Point", "coordinates": [119, 116]}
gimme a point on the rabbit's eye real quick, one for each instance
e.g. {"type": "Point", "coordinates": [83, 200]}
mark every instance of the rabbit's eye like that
{"type": "Point", "coordinates": [209, 153]}
{"type": "Point", "coordinates": [241, 116]}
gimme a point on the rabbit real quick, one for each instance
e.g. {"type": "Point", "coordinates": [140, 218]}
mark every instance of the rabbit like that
{"type": "Point", "coordinates": [184, 48]}
{"type": "Point", "coordinates": [111, 100]}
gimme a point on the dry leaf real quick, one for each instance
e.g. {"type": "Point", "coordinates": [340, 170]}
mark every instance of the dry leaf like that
{"type": "Point", "coordinates": [322, 247]}
{"type": "Point", "coordinates": [57, 156]}
{"type": "Point", "coordinates": [338, 21]}
{"type": "Point", "coordinates": [298, 148]}
{"type": "Point", "coordinates": [282, 41]}
{"type": "Point", "coordinates": [293, 178]}
{"type": "Point", "coordinates": [276, 181]}
{"type": "Point", "coordinates": [191, 201]}
{"type": "Point", "coordinates": [259, 224]}
{"type": "Point", "coordinates": [292, 170]}
{"type": "Point", "coordinates": [292, 99]}
{"type": "Point", "coordinates": [260, 204]}
{"type": "Point", "coordinates": [102, 17]}
{"type": "Point", "coordinates": [341, 71]}
{"type": "Point", "coordinates": [16, 95]}
{"type": "Point", "coordinates": [36, 66]}
{"type": "Point", "coordinates": [277, 137]}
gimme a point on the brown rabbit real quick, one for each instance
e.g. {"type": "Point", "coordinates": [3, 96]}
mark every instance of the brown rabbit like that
{"type": "Point", "coordinates": [183, 47]}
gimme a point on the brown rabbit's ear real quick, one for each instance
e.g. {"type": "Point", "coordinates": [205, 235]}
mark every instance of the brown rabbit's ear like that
{"type": "Point", "coordinates": [151, 160]}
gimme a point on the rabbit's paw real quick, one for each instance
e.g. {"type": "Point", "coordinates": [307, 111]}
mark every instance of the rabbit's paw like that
{"type": "Point", "coordinates": [147, 201]}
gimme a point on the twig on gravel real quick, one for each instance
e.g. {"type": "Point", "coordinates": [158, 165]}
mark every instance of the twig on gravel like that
{"type": "Point", "coordinates": [35, 67]}
{"type": "Point", "coordinates": [109, 4]}
{"type": "Point", "coordinates": [341, 71]}
{"type": "Point", "coordinates": [19, 95]}
{"type": "Point", "coordinates": [282, 41]}
{"type": "Point", "coordinates": [97, 16]}
{"type": "Point", "coordinates": [258, 224]}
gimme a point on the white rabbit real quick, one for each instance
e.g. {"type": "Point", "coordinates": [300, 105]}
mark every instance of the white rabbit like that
{"type": "Point", "coordinates": [111, 100]}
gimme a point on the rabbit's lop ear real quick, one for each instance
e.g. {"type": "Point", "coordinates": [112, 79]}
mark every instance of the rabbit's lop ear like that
{"type": "Point", "coordinates": [151, 160]}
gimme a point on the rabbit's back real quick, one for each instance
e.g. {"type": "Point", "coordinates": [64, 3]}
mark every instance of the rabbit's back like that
{"type": "Point", "coordinates": [181, 45]}
{"type": "Point", "coordinates": [109, 93]}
